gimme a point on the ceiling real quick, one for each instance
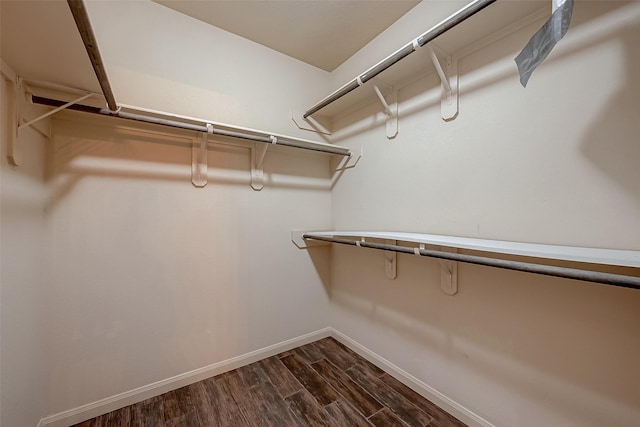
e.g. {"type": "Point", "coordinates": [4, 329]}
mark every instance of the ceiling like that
{"type": "Point", "coordinates": [318, 32]}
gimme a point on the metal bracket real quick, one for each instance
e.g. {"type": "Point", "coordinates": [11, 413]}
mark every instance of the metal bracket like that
{"type": "Point", "coordinates": [350, 161]}
{"type": "Point", "coordinates": [389, 101]}
{"type": "Point", "coordinates": [199, 160]}
{"type": "Point", "coordinates": [449, 83]}
{"type": "Point", "coordinates": [55, 110]}
{"type": "Point", "coordinates": [296, 238]}
{"type": "Point", "coordinates": [12, 99]}
{"type": "Point", "coordinates": [258, 152]}
{"type": "Point", "coordinates": [308, 123]}
{"type": "Point", "coordinates": [13, 148]}
{"type": "Point", "coordinates": [390, 261]}
{"type": "Point", "coordinates": [18, 100]}
{"type": "Point", "coordinates": [449, 273]}
{"type": "Point", "coordinates": [448, 269]}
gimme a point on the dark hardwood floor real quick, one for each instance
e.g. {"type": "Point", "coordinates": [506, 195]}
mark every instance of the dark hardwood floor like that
{"type": "Point", "coordinates": [319, 384]}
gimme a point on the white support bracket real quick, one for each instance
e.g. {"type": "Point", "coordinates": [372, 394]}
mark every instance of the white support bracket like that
{"type": "Point", "coordinates": [199, 162]}
{"type": "Point", "coordinates": [14, 154]}
{"type": "Point", "coordinates": [18, 100]}
{"type": "Point", "coordinates": [389, 99]}
{"type": "Point", "coordinates": [449, 83]}
{"type": "Point", "coordinates": [310, 123]}
{"type": "Point", "coordinates": [55, 110]}
{"type": "Point", "coordinates": [449, 273]}
{"type": "Point", "coordinates": [448, 269]}
{"type": "Point", "coordinates": [296, 238]}
{"type": "Point", "coordinates": [350, 161]}
{"type": "Point", "coordinates": [390, 261]}
{"type": "Point", "coordinates": [258, 153]}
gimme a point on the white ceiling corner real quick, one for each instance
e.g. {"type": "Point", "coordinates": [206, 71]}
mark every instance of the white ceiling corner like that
{"type": "Point", "coordinates": [323, 33]}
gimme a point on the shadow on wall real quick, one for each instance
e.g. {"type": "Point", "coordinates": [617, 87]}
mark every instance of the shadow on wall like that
{"type": "Point", "coordinates": [564, 345]}
{"type": "Point", "coordinates": [104, 147]}
{"type": "Point", "coordinates": [612, 144]}
{"type": "Point", "coordinates": [423, 92]}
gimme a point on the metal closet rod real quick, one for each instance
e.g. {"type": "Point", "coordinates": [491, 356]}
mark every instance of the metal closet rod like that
{"type": "Point", "coordinates": [548, 270]}
{"type": "Point", "coordinates": [191, 126]}
{"type": "Point", "coordinates": [80, 15]}
{"type": "Point", "coordinates": [439, 29]}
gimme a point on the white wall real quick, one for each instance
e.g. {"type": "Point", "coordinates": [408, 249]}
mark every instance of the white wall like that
{"type": "Point", "coordinates": [555, 163]}
{"type": "Point", "coordinates": [150, 277]}
{"type": "Point", "coordinates": [22, 282]}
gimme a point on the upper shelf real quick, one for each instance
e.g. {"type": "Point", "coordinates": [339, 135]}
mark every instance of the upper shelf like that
{"type": "Point", "coordinates": [483, 24]}
{"type": "Point", "coordinates": [616, 257]}
{"type": "Point", "coordinates": [56, 43]}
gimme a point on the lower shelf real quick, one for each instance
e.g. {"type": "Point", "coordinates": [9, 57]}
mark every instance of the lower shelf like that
{"type": "Point", "coordinates": [618, 257]}
{"type": "Point", "coordinates": [446, 255]}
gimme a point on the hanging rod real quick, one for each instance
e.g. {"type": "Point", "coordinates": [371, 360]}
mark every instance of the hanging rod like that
{"type": "Point", "coordinates": [214, 129]}
{"type": "Point", "coordinates": [439, 29]}
{"type": "Point", "coordinates": [548, 270]}
{"type": "Point", "coordinates": [80, 15]}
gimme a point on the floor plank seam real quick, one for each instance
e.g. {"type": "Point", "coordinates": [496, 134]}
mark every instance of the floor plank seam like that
{"type": "Point", "coordinates": [377, 412]}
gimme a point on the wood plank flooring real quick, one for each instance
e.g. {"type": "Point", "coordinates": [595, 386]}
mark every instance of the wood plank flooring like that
{"type": "Point", "coordinates": [321, 384]}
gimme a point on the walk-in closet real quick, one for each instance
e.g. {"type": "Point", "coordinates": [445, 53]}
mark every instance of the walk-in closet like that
{"type": "Point", "coordinates": [320, 213]}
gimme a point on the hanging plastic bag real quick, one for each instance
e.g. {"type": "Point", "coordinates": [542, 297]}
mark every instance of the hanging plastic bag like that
{"type": "Point", "coordinates": [542, 42]}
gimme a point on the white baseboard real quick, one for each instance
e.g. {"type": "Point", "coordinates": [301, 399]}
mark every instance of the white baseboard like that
{"type": "Point", "coordinates": [103, 406]}
{"type": "Point", "coordinates": [449, 405]}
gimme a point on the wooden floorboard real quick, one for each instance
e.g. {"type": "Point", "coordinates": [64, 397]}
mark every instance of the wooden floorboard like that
{"type": "Point", "coordinates": [335, 354]}
{"type": "Point", "coordinates": [280, 376]}
{"type": "Point", "coordinates": [310, 379]}
{"type": "Point", "coordinates": [321, 384]}
{"type": "Point", "coordinates": [352, 392]}
{"type": "Point", "coordinates": [343, 414]}
{"type": "Point", "coordinates": [307, 410]}
{"type": "Point", "coordinates": [396, 402]}
{"type": "Point", "coordinates": [441, 418]}
{"type": "Point", "coordinates": [386, 418]}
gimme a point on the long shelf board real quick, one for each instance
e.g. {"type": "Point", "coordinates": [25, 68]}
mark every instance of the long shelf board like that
{"type": "Point", "coordinates": [626, 258]}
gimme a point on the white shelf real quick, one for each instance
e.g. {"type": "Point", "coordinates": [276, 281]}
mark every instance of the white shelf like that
{"type": "Point", "coordinates": [617, 257]}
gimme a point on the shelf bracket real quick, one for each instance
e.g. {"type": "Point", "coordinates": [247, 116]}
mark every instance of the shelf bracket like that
{"type": "Point", "coordinates": [448, 83]}
{"type": "Point", "coordinates": [449, 273]}
{"type": "Point", "coordinates": [390, 261]}
{"type": "Point", "coordinates": [199, 159]}
{"type": "Point", "coordinates": [308, 123]}
{"type": "Point", "coordinates": [351, 161]}
{"type": "Point", "coordinates": [13, 81]}
{"type": "Point", "coordinates": [13, 148]}
{"type": "Point", "coordinates": [18, 100]}
{"type": "Point", "coordinates": [258, 152]}
{"type": "Point", "coordinates": [389, 101]}
{"type": "Point", "coordinates": [301, 243]}
{"type": "Point", "coordinates": [55, 110]}
{"type": "Point", "coordinates": [448, 269]}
